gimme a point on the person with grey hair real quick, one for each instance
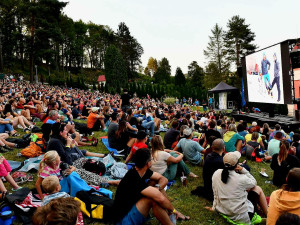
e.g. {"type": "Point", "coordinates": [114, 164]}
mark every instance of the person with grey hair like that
{"type": "Point", "coordinates": [233, 141]}
{"type": "Point", "coordinates": [212, 163]}
{"type": "Point", "coordinates": [191, 149]}
{"type": "Point", "coordinates": [53, 116]}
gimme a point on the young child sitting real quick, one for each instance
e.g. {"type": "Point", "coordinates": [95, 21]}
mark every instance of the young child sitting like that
{"type": "Point", "coordinates": [49, 166]}
{"type": "Point", "coordinates": [140, 143]}
{"type": "Point", "coordinates": [5, 172]}
{"type": "Point", "coordinates": [52, 187]}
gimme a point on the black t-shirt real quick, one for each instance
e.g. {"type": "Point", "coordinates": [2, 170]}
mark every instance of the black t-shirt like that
{"type": "Point", "coordinates": [129, 191]}
{"type": "Point", "coordinates": [212, 132]}
{"type": "Point", "coordinates": [212, 163]}
{"type": "Point", "coordinates": [111, 134]}
{"type": "Point", "coordinates": [170, 137]}
{"type": "Point", "coordinates": [125, 99]}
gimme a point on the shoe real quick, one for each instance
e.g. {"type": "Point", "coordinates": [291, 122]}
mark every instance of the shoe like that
{"type": "Point", "coordinates": [19, 126]}
{"type": "Point", "coordinates": [264, 174]}
{"type": "Point", "coordinates": [7, 148]}
{"type": "Point", "coordinates": [256, 219]}
{"type": "Point", "coordinates": [3, 150]}
{"type": "Point", "coordinates": [26, 130]}
{"type": "Point", "coordinates": [95, 143]}
{"type": "Point", "coordinates": [16, 189]}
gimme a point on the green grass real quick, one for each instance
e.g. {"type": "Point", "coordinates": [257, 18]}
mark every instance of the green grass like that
{"type": "Point", "coordinates": [179, 195]}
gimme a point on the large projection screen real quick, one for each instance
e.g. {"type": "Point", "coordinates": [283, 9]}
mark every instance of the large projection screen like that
{"type": "Point", "coordinates": [264, 75]}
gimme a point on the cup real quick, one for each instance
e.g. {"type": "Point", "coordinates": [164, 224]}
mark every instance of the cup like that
{"type": "Point", "coordinates": [183, 180]}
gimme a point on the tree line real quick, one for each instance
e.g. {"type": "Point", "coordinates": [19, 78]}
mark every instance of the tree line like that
{"type": "Point", "coordinates": [37, 32]}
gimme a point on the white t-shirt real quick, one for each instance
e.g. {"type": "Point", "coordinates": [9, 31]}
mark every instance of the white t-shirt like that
{"type": "Point", "coordinates": [159, 163]}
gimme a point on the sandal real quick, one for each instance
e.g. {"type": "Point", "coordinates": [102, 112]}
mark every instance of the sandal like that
{"type": "Point", "coordinates": [186, 218]}
{"type": "Point", "coordinates": [15, 135]}
{"type": "Point", "coordinates": [16, 189]}
{"type": "Point", "coordinates": [95, 143]}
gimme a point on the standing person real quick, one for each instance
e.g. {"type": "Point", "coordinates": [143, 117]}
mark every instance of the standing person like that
{"type": "Point", "coordinates": [204, 104]}
{"type": "Point", "coordinates": [286, 199]}
{"type": "Point", "coordinates": [210, 102]}
{"type": "Point", "coordinates": [265, 67]}
{"type": "Point", "coordinates": [235, 192]}
{"type": "Point", "coordinates": [276, 76]}
{"type": "Point", "coordinates": [125, 101]}
{"type": "Point", "coordinates": [134, 198]}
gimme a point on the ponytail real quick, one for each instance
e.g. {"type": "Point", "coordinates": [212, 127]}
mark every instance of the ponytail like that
{"type": "Point", "coordinates": [283, 151]}
{"type": "Point", "coordinates": [225, 172]}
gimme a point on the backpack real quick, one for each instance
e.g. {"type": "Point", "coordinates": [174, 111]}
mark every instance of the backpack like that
{"type": "Point", "coordinates": [22, 143]}
{"type": "Point", "coordinates": [95, 205]}
{"type": "Point", "coordinates": [33, 150]}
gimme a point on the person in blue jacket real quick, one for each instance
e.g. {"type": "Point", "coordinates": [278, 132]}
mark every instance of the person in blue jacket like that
{"type": "Point", "coordinates": [265, 67]}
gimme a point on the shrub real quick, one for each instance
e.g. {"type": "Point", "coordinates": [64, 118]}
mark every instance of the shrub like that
{"type": "Point", "coordinates": [170, 100]}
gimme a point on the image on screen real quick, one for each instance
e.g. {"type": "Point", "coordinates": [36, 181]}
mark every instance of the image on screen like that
{"type": "Point", "coordinates": [264, 76]}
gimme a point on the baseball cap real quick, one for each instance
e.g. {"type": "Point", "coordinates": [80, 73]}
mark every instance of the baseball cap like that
{"type": "Point", "coordinates": [232, 158]}
{"type": "Point", "coordinates": [94, 109]}
{"type": "Point", "coordinates": [187, 132]}
{"type": "Point", "coordinates": [254, 124]}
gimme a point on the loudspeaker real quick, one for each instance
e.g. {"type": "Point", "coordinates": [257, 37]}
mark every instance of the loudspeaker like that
{"type": "Point", "coordinates": [240, 71]}
{"type": "Point", "coordinates": [295, 58]}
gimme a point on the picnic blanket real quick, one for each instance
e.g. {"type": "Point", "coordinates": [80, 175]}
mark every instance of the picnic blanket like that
{"type": "Point", "coordinates": [14, 164]}
{"type": "Point", "coordinates": [105, 142]}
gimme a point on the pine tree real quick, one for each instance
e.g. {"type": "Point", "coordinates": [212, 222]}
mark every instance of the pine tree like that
{"type": "Point", "coordinates": [179, 77]}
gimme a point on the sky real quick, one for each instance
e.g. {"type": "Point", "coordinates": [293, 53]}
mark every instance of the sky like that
{"type": "Point", "coordinates": [179, 30]}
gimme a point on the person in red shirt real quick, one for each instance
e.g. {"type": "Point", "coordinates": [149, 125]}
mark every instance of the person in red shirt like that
{"type": "Point", "coordinates": [140, 143]}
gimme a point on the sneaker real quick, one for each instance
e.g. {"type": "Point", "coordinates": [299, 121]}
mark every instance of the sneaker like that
{"type": "Point", "coordinates": [264, 174]}
{"type": "Point", "coordinates": [19, 126]}
{"type": "Point", "coordinates": [7, 148]}
{"type": "Point", "coordinates": [26, 130]}
{"type": "Point", "coordinates": [3, 150]}
{"type": "Point", "coordinates": [256, 219]}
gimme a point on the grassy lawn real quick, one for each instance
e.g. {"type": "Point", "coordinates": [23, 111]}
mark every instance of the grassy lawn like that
{"type": "Point", "coordinates": [180, 196]}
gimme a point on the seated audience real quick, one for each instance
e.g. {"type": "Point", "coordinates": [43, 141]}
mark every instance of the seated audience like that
{"type": "Point", "coordinates": [286, 199]}
{"type": "Point", "coordinates": [166, 162]}
{"type": "Point", "coordinates": [282, 163]}
{"type": "Point", "coordinates": [191, 149]}
{"type": "Point", "coordinates": [235, 192]}
{"type": "Point", "coordinates": [134, 198]}
{"type": "Point", "coordinates": [233, 141]}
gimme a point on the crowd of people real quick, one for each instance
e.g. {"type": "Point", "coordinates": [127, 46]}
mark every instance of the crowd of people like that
{"type": "Point", "coordinates": [133, 125]}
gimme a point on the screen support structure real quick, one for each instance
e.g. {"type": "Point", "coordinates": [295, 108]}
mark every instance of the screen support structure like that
{"type": "Point", "coordinates": [292, 44]}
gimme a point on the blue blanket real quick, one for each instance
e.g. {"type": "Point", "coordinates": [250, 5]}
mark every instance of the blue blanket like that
{"type": "Point", "coordinates": [105, 142]}
{"type": "Point", "coordinates": [14, 164]}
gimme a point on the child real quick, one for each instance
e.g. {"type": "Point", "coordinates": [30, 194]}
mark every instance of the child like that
{"type": "Point", "coordinates": [4, 172]}
{"type": "Point", "coordinates": [140, 143]}
{"type": "Point", "coordinates": [49, 166]}
{"type": "Point", "coordinates": [52, 187]}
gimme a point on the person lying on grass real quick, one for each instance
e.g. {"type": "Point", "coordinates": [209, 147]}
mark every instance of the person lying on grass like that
{"type": "Point", "coordinates": [167, 162]}
{"type": "Point", "coordinates": [134, 198]}
{"type": "Point", "coordinates": [66, 148]}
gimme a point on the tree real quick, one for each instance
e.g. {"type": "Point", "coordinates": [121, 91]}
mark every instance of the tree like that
{"type": "Point", "coordinates": [130, 48]}
{"type": "Point", "coordinates": [147, 72]}
{"type": "Point", "coordinates": [196, 73]}
{"type": "Point", "coordinates": [164, 64]}
{"type": "Point", "coordinates": [179, 77]}
{"type": "Point", "coordinates": [115, 67]}
{"type": "Point", "coordinates": [152, 66]}
{"type": "Point", "coordinates": [238, 39]}
{"type": "Point", "coordinates": [215, 51]}
{"type": "Point", "coordinates": [212, 76]}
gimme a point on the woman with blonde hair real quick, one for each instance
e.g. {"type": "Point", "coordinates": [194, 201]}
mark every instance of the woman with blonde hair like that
{"type": "Point", "coordinates": [167, 162]}
{"type": "Point", "coordinates": [233, 141]}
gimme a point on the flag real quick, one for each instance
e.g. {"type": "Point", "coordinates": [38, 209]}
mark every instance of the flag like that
{"type": "Point", "coordinates": [243, 93]}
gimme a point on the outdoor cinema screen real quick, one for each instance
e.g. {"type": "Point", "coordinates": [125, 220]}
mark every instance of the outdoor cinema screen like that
{"type": "Point", "coordinates": [265, 76]}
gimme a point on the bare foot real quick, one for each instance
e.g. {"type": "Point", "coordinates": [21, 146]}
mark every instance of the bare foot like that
{"type": "Point", "coordinates": [209, 208]}
{"type": "Point", "coordinates": [193, 175]}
